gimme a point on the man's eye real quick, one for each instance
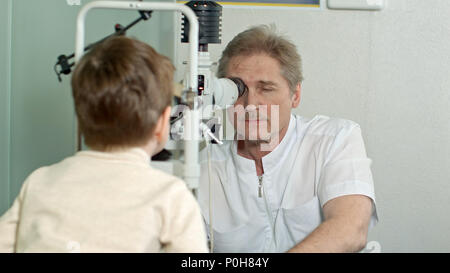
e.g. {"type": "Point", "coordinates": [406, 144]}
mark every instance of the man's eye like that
{"type": "Point", "coordinates": [267, 89]}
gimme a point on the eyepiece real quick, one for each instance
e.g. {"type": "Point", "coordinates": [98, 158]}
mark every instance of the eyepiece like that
{"type": "Point", "coordinates": [209, 19]}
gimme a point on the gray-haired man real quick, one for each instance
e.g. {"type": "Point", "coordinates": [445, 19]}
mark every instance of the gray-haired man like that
{"type": "Point", "coordinates": [311, 190]}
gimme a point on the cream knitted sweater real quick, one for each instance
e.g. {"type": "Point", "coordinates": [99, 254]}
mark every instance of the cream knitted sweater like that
{"type": "Point", "coordinates": [103, 202]}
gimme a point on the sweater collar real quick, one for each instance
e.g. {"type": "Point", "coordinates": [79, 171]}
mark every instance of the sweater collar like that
{"type": "Point", "coordinates": [133, 155]}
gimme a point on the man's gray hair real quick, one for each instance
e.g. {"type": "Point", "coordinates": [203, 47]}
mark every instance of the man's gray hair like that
{"type": "Point", "coordinates": [265, 39]}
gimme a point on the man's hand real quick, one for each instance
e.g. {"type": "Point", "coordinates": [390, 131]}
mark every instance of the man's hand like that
{"type": "Point", "coordinates": [344, 229]}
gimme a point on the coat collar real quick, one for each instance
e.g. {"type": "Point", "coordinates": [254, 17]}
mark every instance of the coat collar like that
{"type": "Point", "coordinates": [271, 160]}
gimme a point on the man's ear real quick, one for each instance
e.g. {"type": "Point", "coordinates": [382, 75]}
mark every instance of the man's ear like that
{"type": "Point", "coordinates": [296, 96]}
{"type": "Point", "coordinates": [162, 126]}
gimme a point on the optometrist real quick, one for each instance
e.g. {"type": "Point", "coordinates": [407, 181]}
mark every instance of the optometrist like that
{"type": "Point", "coordinates": [299, 185]}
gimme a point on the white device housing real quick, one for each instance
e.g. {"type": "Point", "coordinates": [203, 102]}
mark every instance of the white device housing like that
{"type": "Point", "coordinates": [356, 4]}
{"type": "Point", "coordinates": [225, 91]}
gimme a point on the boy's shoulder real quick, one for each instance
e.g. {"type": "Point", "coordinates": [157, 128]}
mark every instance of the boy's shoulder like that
{"type": "Point", "coordinates": [163, 177]}
{"type": "Point", "coordinates": [166, 186]}
{"type": "Point", "coordinates": [117, 172]}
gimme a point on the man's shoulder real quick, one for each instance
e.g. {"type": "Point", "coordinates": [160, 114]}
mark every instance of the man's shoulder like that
{"type": "Point", "coordinates": [325, 125]}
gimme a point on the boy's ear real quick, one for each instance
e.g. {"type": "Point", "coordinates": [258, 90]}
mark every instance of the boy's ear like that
{"type": "Point", "coordinates": [162, 126]}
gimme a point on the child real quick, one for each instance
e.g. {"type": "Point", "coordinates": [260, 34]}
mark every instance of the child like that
{"type": "Point", "coordinates": [110, 199]}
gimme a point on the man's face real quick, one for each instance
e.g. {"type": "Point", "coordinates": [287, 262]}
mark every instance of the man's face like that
{"type": "Point", "coordinates": [264, 111]}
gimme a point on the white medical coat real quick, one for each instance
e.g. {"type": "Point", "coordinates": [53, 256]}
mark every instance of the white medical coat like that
{"type": "Point", "coordinates": [318, 159]}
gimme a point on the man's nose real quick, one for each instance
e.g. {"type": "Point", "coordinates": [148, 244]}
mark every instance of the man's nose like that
{"type": "Point", "coordinates": [251, 100]}
{"type": "Point", "coordinates": [251, 104]}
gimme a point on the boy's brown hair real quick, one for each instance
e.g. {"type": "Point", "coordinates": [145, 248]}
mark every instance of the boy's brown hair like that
{"type": "Point", "coordinates": [120, 89]}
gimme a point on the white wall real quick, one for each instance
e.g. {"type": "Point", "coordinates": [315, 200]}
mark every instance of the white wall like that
{"type": "Point", "coordinates": [388, 71]}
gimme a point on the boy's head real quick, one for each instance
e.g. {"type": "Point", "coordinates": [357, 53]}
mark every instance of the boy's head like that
{"type": "Point", "coordinates": [122, 90]}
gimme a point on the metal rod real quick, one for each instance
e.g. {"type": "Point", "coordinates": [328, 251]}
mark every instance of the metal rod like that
{"type": "Point", "coordinates": [191, 144]}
